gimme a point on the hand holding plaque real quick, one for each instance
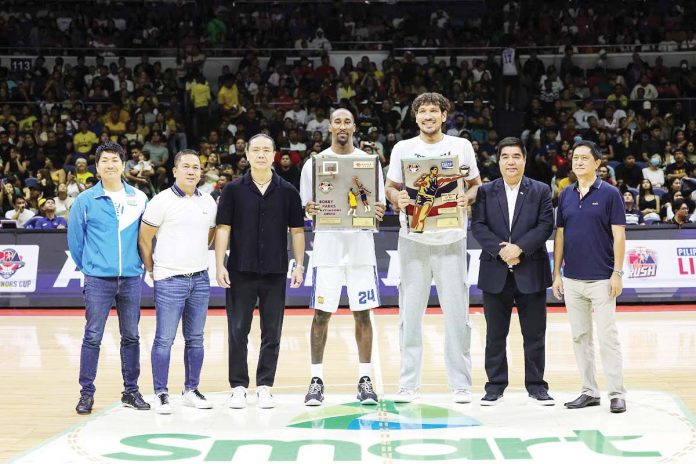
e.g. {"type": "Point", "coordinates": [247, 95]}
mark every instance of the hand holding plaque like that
{"type": "Point", "coordinates": [345, 191]}
{"type": "Point", "coordinates": [433, 186]}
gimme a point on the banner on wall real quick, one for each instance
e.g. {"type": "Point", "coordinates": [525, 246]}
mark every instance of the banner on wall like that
{"type": "Point", "coordinates": [36, 270]}
{"type": "Point", "coordinates": [18, 268]}
{"type": "Point", "coordinates": [660, 263]}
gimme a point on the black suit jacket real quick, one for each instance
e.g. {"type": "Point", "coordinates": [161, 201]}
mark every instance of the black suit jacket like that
{"type": "Point", "coordinates": [532, 225]}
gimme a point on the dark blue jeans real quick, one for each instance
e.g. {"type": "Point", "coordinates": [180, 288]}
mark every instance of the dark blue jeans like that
{"type": "Point", "coordinates": [100, 295]}
{"type": "Point", "coordinates": [176, 298]}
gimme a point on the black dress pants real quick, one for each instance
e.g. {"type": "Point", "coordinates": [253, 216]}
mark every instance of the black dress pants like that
{"type": "Point", "coordinates": [245, 288]}
{"type": "Point", "coordinates": [531, 308]}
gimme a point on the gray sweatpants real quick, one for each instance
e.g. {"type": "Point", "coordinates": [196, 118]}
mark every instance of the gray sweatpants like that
{"type": "Point", "coordinates": [419, 264]}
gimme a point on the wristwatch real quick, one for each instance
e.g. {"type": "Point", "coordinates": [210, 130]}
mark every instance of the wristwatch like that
{"type": "Point", "coordinates": [620, 272]}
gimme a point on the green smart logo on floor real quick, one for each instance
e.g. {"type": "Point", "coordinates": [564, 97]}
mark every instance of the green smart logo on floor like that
{"type": "Point", "coordinates": [474, 449]}
{"type": "Point", "coordinates": [656, 428]}
{"type": "Point", "coordinates": [387, 417]}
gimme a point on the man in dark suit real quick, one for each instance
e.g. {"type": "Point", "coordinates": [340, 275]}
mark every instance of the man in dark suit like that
{"type": "Point", "coordinates": [512, 219]}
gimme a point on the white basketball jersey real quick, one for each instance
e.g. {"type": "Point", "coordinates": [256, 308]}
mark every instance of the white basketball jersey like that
{"type": "Point", "coordinates": [509, 68]}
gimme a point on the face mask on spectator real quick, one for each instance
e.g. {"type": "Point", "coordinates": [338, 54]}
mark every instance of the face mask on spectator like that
{"type": "Point", "coordinates": [655, 161]}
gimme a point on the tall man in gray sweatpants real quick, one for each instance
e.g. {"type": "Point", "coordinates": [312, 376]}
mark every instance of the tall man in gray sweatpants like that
{"type": "Point", "coordinates": [439, 255]}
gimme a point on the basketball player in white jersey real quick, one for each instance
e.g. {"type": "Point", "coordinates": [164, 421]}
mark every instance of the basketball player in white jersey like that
{"type": "Point", "coordinates": [342, 258]}
{"type": "Point", "coordinates": [511, 71]}
{"type": "Point", "coordinates": [440, 256]}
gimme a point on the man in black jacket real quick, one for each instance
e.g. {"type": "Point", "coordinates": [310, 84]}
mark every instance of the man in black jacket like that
{"type": "Point", "coordinates": [512, 219]}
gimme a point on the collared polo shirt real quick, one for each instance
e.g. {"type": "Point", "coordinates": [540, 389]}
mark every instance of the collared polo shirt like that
{"type": "Point", "coordinates": [259, 235]}
{"type": "Point", "coordinates": [588, 242]}
{"type": "Point", "coordinates": [43, 223]}
{"type": "Point", "coordinates": [182, 237]}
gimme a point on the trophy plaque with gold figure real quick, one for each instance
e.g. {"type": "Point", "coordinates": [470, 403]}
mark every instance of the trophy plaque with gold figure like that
{"type": "Point", "coordinates": [433, 185]}
{"type": "Point", "coordinates": [345, 191]}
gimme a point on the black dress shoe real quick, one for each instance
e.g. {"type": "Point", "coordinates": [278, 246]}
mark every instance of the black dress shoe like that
{"type": "Point", "coordinates": [617, 405]}
{"type": "Point", "coordinates": [542, 398]}
{"type": "Point", "coordinates": [84, 406]}
{"type": "Point", "coordinates": [134, 400]}
{"type": "Point", "coordinates": [582, 401]}
{"type": "Point", "coordinates": [491, 399]}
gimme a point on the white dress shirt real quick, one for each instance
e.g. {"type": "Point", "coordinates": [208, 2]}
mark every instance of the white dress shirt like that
{"type": "Point", "coordinates": [511, 193]}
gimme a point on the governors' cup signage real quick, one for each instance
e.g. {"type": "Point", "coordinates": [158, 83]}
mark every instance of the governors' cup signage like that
{"type": "Point", "coordinates": [433, 185]}
{"type": "Point", "coordinates": [18, 268]}
{"type": "Point", "coordinates": [345, 191]}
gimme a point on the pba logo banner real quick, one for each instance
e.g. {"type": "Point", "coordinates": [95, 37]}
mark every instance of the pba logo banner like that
{"type": "Point", "coordinates": [18, 268]}
{"type": "Point", "coordinates": [642, 262]}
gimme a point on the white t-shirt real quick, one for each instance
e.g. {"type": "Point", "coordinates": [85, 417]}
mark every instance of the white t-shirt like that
{"type": "Point", "coordinates": [340, 248]}
{"type": "Point", "coordinates": [299, 117]}
{"type": "Point", "coordinates": [656, 178]}
{"type": "Point", "coordinates": [322, 127]}
{"type": "Point", "coordinates": [182, 237]}
{"type": "Point", "coordinates": [446, 147]}
{"type": "Point", "coordinates": [119, 201]}
{"type": "Point", "coordinates": [63, 206]}
{"type": "Point", "coordinates": [22, 219]}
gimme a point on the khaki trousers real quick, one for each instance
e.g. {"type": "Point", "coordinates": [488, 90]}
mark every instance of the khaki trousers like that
{"type": "Point", "coordinates": [583, 298]}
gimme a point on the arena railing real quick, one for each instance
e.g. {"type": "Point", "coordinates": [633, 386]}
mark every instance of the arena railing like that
{"type": "Point", "coordinates": [357, 45]}
{"type": "Point", "coordinates": [556, 49]}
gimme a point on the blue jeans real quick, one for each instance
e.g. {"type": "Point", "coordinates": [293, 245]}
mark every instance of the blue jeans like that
{"type": "Point", "coordinates": [177, 297]}
{"type": "Point", "coordinates": [100, 295]}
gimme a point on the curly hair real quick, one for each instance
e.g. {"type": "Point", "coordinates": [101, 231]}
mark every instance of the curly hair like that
{"type": "Point", "coordinates": [431, 98]}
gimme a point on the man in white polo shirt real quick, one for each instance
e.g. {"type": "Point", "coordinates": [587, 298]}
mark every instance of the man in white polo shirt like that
{"type": "Point", "coordinates": [183, 220]}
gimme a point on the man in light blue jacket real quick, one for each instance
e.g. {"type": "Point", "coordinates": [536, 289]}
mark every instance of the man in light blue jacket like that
{"type": "Point", "coordinates": [103, 242]}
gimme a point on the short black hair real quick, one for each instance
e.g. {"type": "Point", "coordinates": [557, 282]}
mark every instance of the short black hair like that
{"type": "Point", "coordinates": [678, 203]}
{"type": "Point", "coordinates": [111, 147]}
{"type": "Point", "coordinates": [182, 153]}
{"type": "Point", "coordinates": [511, 142]}
{"type": "Point", "coordinates": [594, 149]}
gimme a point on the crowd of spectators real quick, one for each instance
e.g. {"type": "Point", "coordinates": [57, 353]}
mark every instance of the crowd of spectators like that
{"type": "Point", "coordinates": [641, 117]}
{"type": "Point", "coordinates": [52, 120]}
{"type": "Point", "coordinates": [315, 25]}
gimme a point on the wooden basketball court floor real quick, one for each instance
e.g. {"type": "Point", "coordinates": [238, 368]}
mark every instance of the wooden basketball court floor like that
{"type": "Point", "coordinates": [39, 359]}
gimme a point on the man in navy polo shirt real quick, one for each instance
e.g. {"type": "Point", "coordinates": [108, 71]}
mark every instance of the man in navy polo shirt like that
{"type": "Point", "coordinates": [49, 220]}
{"type": "Point", "coordinates": [591, 237]}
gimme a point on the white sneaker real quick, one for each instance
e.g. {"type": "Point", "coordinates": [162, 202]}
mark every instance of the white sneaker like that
{"type": "Point", "coordinates": [404, 395]}
{"type": "Point", "coordinates": [264, 399]}
{"type": "Point", "coordinates": [195, 399]}
{"type": "Point", "coordinates": [238, 399]}
{"type": "Point", "coordinates": [162, 405]}
{"type": "Point", "coordinates": [461, 396]}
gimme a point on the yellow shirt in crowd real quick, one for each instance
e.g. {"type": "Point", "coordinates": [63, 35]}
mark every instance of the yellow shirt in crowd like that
{"type": "Point", "coordinates": [84, 142]}
{"type": "Point", "coordinates": [227, 98]}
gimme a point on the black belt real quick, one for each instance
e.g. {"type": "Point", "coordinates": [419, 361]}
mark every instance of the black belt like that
{"type": "Point", "coordinates": [192, 274]}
